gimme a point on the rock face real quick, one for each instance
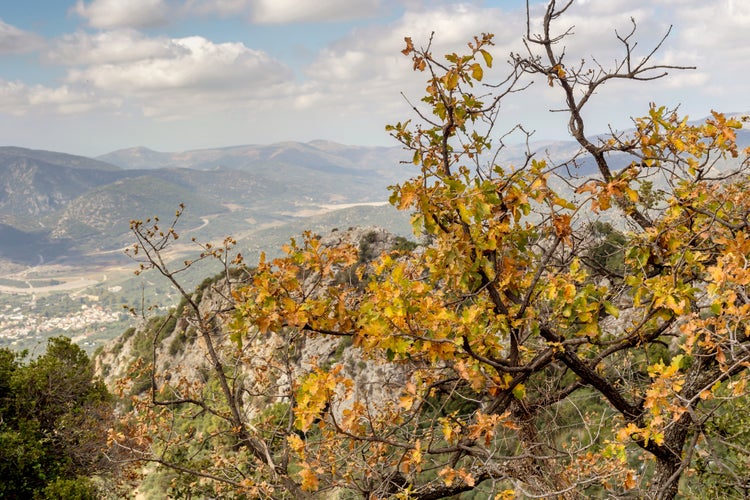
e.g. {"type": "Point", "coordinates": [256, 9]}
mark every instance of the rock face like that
{"type": "Point", "coordinates": [181, 351]}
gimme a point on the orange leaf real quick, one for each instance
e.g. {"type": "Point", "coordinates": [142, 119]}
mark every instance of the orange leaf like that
{"type": "Point", "coordinates": [409, 46]}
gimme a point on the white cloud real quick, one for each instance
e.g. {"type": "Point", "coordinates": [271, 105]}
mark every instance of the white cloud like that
{"type": "Point", "coordinates": [715, 27]}
{"type": "Point", "coordinates": [712, 37]}
{"type": "Point", "coordinates": [108, 14]}
{"type": "Point", "coordinates": [366, 71]}
{"type": "Point", "coordinates": [16, 41]}
{"type": "Point", "coordinates": [220, 7]}
{"type": "Point", "coordinates": [158, 77]}
{"type": "Point", "coordinates": [292, 11]}
{"type": "Point", "coordinates": [110, 47]}
{"type": "Point", "coordinates": [350, 88]}
{"type": "Point", "coordinates": [186, 75]}
{"type": "Point", "coordinates": [363, 74]}
{"type": "Point", "coordinates": [197, 64]}
{"type": "Point", "coordinates": [701, 31]}
{"type": "Point", "coordinates": [373, 55]}
{"type": "Point", "coordinates": [18, 98]}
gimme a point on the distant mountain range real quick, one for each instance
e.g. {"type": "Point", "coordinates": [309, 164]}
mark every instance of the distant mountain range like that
{"type": "Point", "coordinates": [321, 156]}
{"type": "Point", "coordinates": [73, 204]}
{"type": "Point", "coordinates": [56, 205]}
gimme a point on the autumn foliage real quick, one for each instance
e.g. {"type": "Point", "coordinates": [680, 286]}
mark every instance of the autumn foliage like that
{"type": "Point", "coordinates": [515, 360]}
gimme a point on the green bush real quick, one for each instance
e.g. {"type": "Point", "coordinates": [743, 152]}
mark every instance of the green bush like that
{"type": "Point", "coordinates": [53, 425]}
{"type": "Point", "coordinates": [81, 488]}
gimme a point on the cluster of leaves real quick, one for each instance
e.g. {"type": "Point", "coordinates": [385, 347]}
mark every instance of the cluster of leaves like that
{"type": "Point", "coordinates": [524, 351]}
{"type": "Point", "coordinates": [54, 418]}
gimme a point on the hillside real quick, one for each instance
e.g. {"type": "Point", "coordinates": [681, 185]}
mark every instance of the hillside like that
{"type": "Point", "coordinates": [17, 244]}
{"type": "Point", "coordinates": [31, 187]}
{"type": "Point", "coordinates": [86, 204]}
{"type": "Point", "coordinates": [321, 156]}
{"type": "Point", "coordinates": [101, 217]}
{"type": "Point", "coordinates": [318, 171]}
{"type": "Point", "coordinates": [177, 349]}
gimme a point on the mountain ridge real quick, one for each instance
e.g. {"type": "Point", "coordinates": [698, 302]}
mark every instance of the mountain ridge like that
{"type": "Point", "coordinates": [59, 158]}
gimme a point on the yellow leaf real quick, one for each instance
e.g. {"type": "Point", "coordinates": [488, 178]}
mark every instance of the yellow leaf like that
{"type": "Point", "coordinates": [296, 444]}
{"type": "Point", "coordinates": [561, 223]}
{"type": "Point", "coordinates": [465, 217]}
{"type": "Point", "coordinates": [629, 481]}
{"type": "Point", "coordinates": [409, 46]}
{"type": "Point", "coordinates": [611, 309]}
{"type": "Point", "coordinates": [738, 387]}
{"type": "Point", "coordinates": [309, 479]}
{"type": "Point", "coordinates": [506, 495]}
{"type": "Point", "coordinates": [406, 402]}
{"type": "Point", "coordinates": [487, 58]}
{"type": "Point", "coordinates": [476, 72]}
{"type": "Point", "coordinates": [589, 187]}
{"type": "Point", "coordinates": [451, 80]}
{"type": "Point", "coordinates": [720, 357]}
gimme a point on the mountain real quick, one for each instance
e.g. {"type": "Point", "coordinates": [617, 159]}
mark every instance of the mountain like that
{"type": "Point", "coordinates": [7, 153]}
{"type": "Point", "coordinates": [35, 183]}
{"type": "Point", "coordinates": [276, 162]}
{"type": "Point", "coordinates": [319, 155]}
{"type": "Point", "coordinates": [31, 247]}
{"type": "Point", "coordinates": [89, 202]}
{"type": "Point", "coordinates": [139, 157]}
{"type": "Point", "coordinates": [50, 198]}
{"type": "Point", "coordinates": [102, 216]}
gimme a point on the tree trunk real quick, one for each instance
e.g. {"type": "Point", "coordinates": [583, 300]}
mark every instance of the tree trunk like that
{"type": "Point", "coordinates": [663, 484]}
{"type": "Point", "coordinates": [666, 479]}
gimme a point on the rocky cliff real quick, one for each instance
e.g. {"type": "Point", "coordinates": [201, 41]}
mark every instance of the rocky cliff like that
{"type": "Point", "coordinates": [177, 348]}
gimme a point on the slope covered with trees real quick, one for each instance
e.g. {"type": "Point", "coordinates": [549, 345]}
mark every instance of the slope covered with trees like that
{"type": "Point", "coordinates": [54, 421]}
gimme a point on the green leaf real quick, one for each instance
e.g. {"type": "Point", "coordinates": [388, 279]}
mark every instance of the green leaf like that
{"type": "Point", "coordinates": [717, 307]}
{"type": "Point", "coordinates": [611, 309]}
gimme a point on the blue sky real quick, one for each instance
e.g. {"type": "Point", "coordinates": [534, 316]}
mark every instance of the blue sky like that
{"type": "Point", "coordinates": [92, 76]}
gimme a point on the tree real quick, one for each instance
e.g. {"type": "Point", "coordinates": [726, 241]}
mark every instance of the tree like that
{"type": "Point", "coordinates": [54, 418]}
{"type": "Point", "coordinates": [536, 351]}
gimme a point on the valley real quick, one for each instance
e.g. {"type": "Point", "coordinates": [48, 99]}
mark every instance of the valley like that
{"type": "Point", "coordinates": [64, 223]}
{"type": "Point", "coordinates": [88, 299]}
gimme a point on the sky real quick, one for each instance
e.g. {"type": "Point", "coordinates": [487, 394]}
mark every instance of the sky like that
{"type": "Point", "coordinates": [93, 76]}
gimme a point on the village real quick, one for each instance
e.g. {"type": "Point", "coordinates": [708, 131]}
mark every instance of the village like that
{"type": "Point", "coordinates": [19, 324]}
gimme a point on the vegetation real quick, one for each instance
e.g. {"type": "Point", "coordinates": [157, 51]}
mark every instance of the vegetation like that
{"type": "Point", "coordinates": [530, 349]}
{"type": "Point", "coordinates": [54, 420]}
